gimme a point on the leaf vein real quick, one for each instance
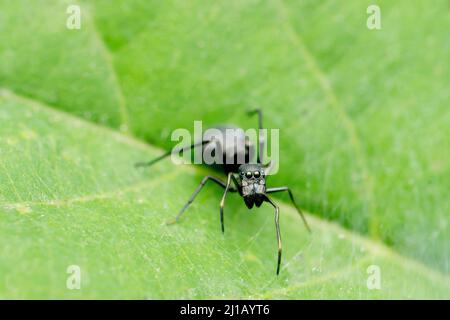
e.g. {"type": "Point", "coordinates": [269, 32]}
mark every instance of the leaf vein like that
{"type": "Point", "coordinates": [334, 102]}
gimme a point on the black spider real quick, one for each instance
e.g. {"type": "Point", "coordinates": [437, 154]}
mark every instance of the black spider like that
{"type": "Point", "coordinates": [249, 179]}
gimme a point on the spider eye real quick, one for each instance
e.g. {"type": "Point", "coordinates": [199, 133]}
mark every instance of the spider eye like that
{"type": "Point", "coordinates": [256, 174]}
{"type": "Point", "coordinates": [248, 174]}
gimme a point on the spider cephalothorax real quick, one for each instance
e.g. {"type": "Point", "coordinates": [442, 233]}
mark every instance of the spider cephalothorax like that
{"type": "Point", "coordinates": [253, 183]}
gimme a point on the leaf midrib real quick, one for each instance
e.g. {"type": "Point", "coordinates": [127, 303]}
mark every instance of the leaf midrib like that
{"type": "Point", "coordinates": [109, 59]}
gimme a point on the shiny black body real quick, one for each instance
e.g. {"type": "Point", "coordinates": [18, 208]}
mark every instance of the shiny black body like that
{"type": "Point", "coordinates": [245, 176]}
{"type": "Point", "coordinates": [233, 152]}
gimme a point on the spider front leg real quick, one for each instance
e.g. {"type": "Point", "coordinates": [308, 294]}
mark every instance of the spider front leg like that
{"type": "Point", "coordinates": [277, 226]}
{"type": "Point", "coordinates": [222, 202]}
{"type": "Point", "coordinates": [281, 189]}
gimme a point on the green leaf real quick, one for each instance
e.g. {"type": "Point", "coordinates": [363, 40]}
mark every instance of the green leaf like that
{"type": "Point", "coordinates": [70, 196]}
{"type": "Point", "coordinates": [364, 142]}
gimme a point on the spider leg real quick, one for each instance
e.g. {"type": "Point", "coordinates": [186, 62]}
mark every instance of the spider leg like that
{"type": "Point", "coordinates": [237, 185]}
{"type": "Point", "coordinates": [222, 202]}
{"type": "Point", "coordinates": [268, 167]}
{"type": "Point", "coordinates": [168, 153]}
{"type": "Point", "coordinates": [277, 226]}
{"type": "Point", "coordinates": [261, 139]}
{"type": "Point", "coordinates": [281, 189]}
{"type": "Point", "coordinates": [196, 192]}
